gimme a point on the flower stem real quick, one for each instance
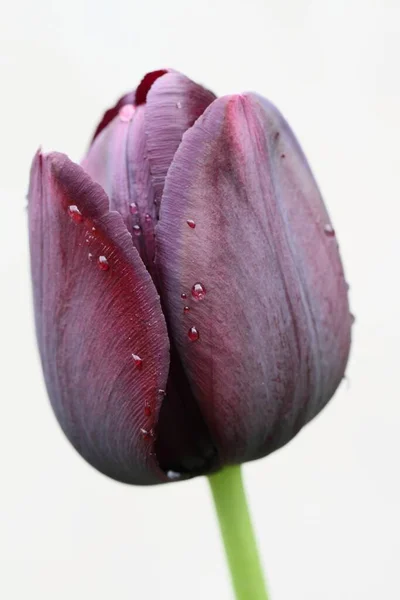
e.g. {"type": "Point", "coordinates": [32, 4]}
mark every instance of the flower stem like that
{"type": "Point", "coordinates": [237, 533]}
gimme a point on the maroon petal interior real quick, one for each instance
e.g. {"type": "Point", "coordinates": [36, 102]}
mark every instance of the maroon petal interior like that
{"type": "Point", "coordinates": [101, 332]}
{"type": "Point", "coordinates": [183, 442]}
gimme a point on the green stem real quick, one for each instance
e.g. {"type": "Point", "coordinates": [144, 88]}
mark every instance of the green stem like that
{"type": "Point", "coordinates": [238, 535]}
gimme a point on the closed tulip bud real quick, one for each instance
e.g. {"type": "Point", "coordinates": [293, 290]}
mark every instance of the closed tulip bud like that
{"type": "Point", "coordinates": [190, 303]}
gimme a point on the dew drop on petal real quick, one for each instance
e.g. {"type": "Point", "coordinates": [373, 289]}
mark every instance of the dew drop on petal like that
{"type": "Point", "coordinates": [173, 475]}
{"type": "Point", "coordinates": [178, 105]}
{"type": "Point", "coordinates": [137, 230]}
{"type": "Point", "coordinates": [90, 256]}
{"type": "Point", "coordinates": [193, 334]}
{"type": "Point", "coordinates": [92, 230]}
{"type": "Point", "coordinates": [198, 291]}
{"type": "Point", "coordinates": [133, 209]}
{"type": "Point", "coordinates": [147, 433]}
{"type": "Point", "coordinates": [191, 223]}
{"type": "Point", "coordinates": [137, 360]}
{"type": "Point", "coordinates": [183, 296]}
{"type": "Point", "coordinates": [186, 309]}
{"type": "Point", "coordinates": [103, 263]}
{"type": "Point", "coordinates": [126, 112]}
{"type": "Point", "coordinates": [75, 213]}
{"type": "Point", "coordinates": [329, 231]}
{"type": "Point", "coordinates": [147, 218]}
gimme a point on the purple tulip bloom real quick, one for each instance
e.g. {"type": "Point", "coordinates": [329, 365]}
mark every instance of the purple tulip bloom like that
{"type": "Point", "coordinates": [190, 303]}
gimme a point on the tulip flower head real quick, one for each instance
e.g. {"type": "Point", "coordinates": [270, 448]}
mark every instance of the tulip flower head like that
{"type": "Point", "coordinates": [190, 303]}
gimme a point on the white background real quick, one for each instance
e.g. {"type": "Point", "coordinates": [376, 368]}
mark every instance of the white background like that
{"type": "Point", "coordinates": [326, 507]}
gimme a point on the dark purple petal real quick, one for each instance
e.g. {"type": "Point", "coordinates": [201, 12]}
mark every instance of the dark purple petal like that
{"type": "Point", "coordinates": [111, 162]}
{"type": "Point", "coordinates": [101, 332]}
{"type": "Point", "coordinates": [244, 233]}
{"type": "Point", "coordinates": [173, 105]}
{"type": "Point", "coordinates": [118, 161]}
{"type": "Point", "coordinates": [131, 157]}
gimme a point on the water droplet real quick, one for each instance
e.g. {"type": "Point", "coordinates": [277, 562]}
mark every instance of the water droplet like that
{"type": "Point", "coordinates": [137, 230]}
{"type": "Point", "coordinates": [191, 223]}
{"type": "Point", "coordinates": [147, 410]}
{"type": "Point", "coordinates": [147, 218]}
{"type": "Point", "coordinates": [186, 309]}
{"type": "Point", "coordinates": [90, 256]}
{"type": "Point", "coordinates": [137, 360]}
{"type": "Point", "coordinates": [126, 112]}
{"type": "Point", "coordinates": [198, 291]}
{"type": "Point", "coordinates": [178, 105]}
{"type": "Point", "coordinates": [75, 213]}
{"type": "Point", "coordinates": [183, 296]}
{"type": "Point", "coordinates": [162, 393]}
{"type": "Point", "coordinates": [329, 231]}
{"type": "Point", "coordinates": [91, 229]}
{"type": "Point", "coordinates": [193, 334]}
{"type": "Point", "coordinates": [147, 433]}
{"type": "Point", "coordinates": [133, 209]}
{"type": "Point", "coordinates": [173, 475]}
{"type": "Point", "coordinates": [103, 263]}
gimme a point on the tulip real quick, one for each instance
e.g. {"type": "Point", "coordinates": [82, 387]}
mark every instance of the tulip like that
{"type": "Point", "coordinates": [190, 303]}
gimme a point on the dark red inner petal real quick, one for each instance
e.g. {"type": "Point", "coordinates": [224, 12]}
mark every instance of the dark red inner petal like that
{"type": "Point", "coordinates": [145, 85]}
{"type": "Point", "coordinates": [184, 444]}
